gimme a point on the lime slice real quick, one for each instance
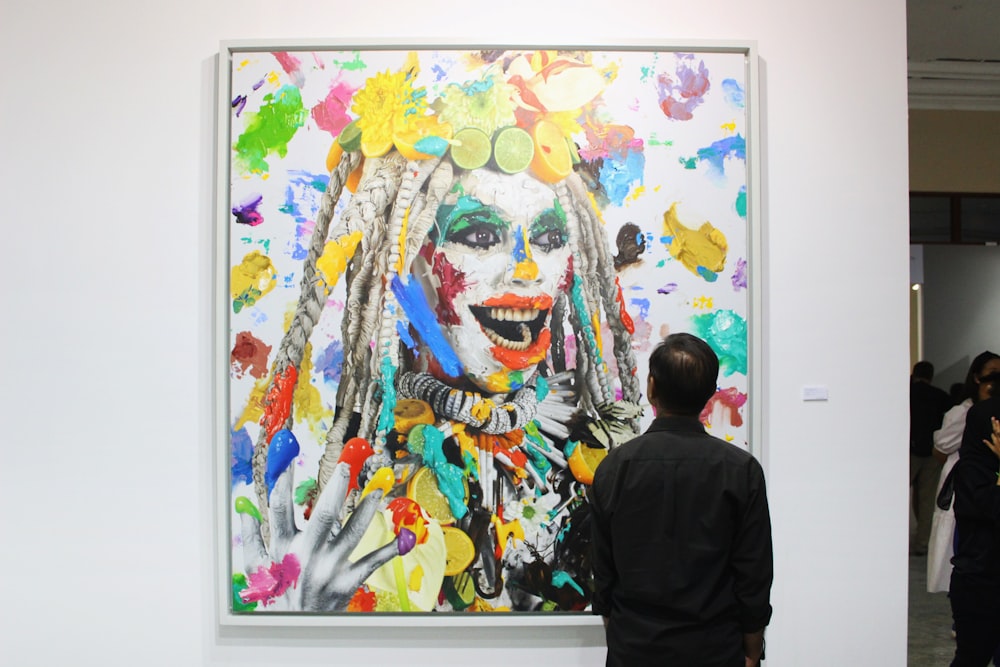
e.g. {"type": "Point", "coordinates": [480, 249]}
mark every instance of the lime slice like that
{"type": "Point", "coordinates": [513, 149]}
{"type": "Point", "coordinates": [471, 148]}
{"type": "Point", "coordinates": [350, 137]}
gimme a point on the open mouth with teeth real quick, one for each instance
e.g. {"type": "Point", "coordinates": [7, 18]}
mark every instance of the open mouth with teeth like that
{"type": "Point", "coordinates": [511, 328]}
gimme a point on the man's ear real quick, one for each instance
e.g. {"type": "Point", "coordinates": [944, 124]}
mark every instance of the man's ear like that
{"type": "Point", "coordinates": [651, 393]}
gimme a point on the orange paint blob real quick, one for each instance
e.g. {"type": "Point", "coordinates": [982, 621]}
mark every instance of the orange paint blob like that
{"type": "Point", "coordinates": [278, 402]}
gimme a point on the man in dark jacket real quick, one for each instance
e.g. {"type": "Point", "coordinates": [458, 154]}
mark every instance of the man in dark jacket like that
{"type": "Point", "coordinates": [927, 407]}
{"type": "Point", "coordinates": [681, 530]}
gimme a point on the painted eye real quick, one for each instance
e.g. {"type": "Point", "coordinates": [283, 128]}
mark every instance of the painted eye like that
{"type": "Point", "coordinates": [477, 236]}
{"type": "Point", "coordinates": [549, 240]}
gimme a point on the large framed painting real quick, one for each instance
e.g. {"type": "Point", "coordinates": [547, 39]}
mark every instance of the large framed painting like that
{"type": "Point", "coordinates": [441, 272]}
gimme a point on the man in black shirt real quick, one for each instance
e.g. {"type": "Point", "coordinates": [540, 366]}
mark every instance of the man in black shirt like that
{"type": "Point", "coordinates": [682, 535]}
{"type": "Point", "coordinates": [927, 407]}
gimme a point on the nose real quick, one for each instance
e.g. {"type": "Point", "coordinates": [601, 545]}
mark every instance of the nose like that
{"type": "Point", "coordinates": [525, 268]}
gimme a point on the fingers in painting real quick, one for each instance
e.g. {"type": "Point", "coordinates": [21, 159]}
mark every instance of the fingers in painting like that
{"type": "Point", "coordinates": [324, 517]}
{"type": "Point", "coordinates": [254, 553]}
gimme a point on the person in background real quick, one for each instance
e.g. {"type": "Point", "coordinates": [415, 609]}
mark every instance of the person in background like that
{"type": "Point", "coordinates": [682, 552]}
{"type": "Point", "coordinates": [975, 578]}
{"type": "Point", "coordinates": [927, 407]}
{"type": "Point", "coordinates": [947, 440]}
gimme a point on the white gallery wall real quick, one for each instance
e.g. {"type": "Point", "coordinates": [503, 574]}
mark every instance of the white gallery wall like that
{"type": "Point", "coordinates": [107, 128]}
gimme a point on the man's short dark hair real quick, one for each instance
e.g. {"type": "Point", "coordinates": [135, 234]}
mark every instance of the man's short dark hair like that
{"type": "Point", "coordinates": [923, 370]}
{"type": "Point", "coordinates": [684, 371]}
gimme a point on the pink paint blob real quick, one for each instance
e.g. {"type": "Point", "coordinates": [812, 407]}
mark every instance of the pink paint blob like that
{"type": "Point", "coordinates": [730, 399]}
{"type": "Point", "coordinates": [269, 583]}
{"type": "Point", "coordinates": [331, 114]}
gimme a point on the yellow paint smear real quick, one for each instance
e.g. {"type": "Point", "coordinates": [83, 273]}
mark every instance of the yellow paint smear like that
{"type": "Point", "coordinates": [333, 262]}
{"type": "Point", "coordinates": [705, 247]}
{"type": "Point", "coordinates": [255, 271]}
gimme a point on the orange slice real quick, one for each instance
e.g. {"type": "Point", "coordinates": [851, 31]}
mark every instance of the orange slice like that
{"type": "Point", "coordinates": [354, 178]}
{"type": "Point", "coordinates": [375, 147]}
{"type": "Point", "coordinates": [333, 157]}
{"type": "Point", "coordinates": [583, 462]}
{"type": "Point", "coordinates": [460, 551]}
{"type": "Point", "coordinates": [423, 488]}
{"type": "Point", "coordinates": [552, 161]}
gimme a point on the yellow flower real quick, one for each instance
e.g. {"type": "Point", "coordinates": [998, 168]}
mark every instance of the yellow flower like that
{"type": "Point", "coordinates": [387, 100]}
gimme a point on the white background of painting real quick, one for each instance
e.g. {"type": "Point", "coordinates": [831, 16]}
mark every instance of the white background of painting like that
{"type": "Point", "coordinates": [106, 182]}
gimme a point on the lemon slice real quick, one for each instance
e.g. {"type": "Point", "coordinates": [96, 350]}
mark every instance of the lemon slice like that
{"type": "Point", "coordinates": [583, 462]}
{"type": "Point", "coordinates": [513, 149]}
{"type": "Point", "coordinates": [471, 148]}
{"type": "Point", "coordinates": [423, 488]}
{"type": "Point", "coordinates": [552, 161]}
{"type": "Point", "coordinates": [460, 551]}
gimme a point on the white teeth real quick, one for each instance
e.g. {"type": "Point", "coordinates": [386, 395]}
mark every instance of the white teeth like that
{"type": "Point", "coordinates": [517, 346]}
{"type": "Point", "coordinates": [513, 314]}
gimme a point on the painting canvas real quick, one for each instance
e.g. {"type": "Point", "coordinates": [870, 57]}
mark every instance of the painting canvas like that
{"type": "Point", "coordinates": [443, 270]}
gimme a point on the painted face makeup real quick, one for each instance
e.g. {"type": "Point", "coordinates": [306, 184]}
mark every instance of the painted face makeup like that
{"type": "Point", "coordinates": [492, 268]}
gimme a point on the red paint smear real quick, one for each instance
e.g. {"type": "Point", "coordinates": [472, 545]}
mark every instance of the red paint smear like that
{"type": "Point", "coordinates": [732, 400]}
{"type": "Point", "coordinates": [407, 513]}
{"type": "Point", "coordinates": [356, 451]}
{"type": "Point", "coordinates": [362, 600]}
{"type": "Point", "coordinates": [520, 359]}
{"type": "Point", "coordinates": [288, 62]}
{"type": "Point", "coordinates": [268, 583]}
{"type": "Point", "coordinates": [626, 318]}
{"type": "Point", "coordinates": [331, 114]}
{"type": "Point", "coordinates": [540, 302]}
{"type": "Point", "coordinates": [249, 355]}
{"type": "Point", "coordinates": [451, 282]}
{"type": "Point", "coordinates": [278, 402]}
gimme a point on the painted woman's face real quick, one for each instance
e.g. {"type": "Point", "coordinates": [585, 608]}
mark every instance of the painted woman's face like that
{"type": "Point", "coordinates": [492, 267]}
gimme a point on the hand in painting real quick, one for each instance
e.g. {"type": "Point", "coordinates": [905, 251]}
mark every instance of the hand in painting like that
{"type": "Point", "coordinates": [309, 570]}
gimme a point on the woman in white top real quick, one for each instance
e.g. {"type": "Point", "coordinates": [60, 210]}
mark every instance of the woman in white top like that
{"type": "Point", "coordinates": [947, 440]}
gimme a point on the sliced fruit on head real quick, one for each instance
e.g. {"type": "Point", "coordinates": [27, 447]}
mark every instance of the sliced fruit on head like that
{"type": "Point", "coordinates": [375, 147]}
{"type": "Point", "coordinates": [333, 157]}
{"type": "Point", "coordinates": [513, 149]}
{"type": "Point", "coordinates": [354, 178]}
{"type": "Point", "coordinates": [350, 137]}
{"type": "Point", "coordinates": [552, 161]}
{"type": "Point", "coordinates": [460, 551]}
{"type": "Point", "coordinates": [583, 462]}
{"type": "Point", "coordinates": [423, 488]}
{"type": "Point", "coordinates": [421, 134]}
{"type": "Point", "coordinates": [471, 148]}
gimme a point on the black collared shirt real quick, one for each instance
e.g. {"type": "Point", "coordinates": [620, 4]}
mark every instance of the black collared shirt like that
{"type": "Point", "coordinates": [682, 547]}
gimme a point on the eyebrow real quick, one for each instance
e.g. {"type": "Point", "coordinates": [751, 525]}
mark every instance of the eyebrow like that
{"type": "Point", "coordinates": [465, 212]}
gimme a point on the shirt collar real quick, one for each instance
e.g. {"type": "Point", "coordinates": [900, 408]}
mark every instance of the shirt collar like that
{"type": "Point", "coordinates": [689, 424]}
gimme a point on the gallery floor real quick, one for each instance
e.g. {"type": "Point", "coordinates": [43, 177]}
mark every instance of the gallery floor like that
{"type": "Point", "coordinates": [929, 642]}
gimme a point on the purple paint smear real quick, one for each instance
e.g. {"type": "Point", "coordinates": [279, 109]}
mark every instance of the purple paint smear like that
{"type": "Point", "coordinates": [269, 583]}
{"type": "Point", "coordinates": [740, 275]}
{"type": "Point", "coordinates": [246, 212]}
{"type": "Point", "coordinates": [679, 99]}
{"type": "Point", "coordinates": [239, 103]}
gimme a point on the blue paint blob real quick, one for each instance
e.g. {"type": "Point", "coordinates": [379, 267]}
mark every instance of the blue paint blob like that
{"type": "Point", "coordinates": [708, 274]}
{"type": "Point", "coordinates": [242, 453]}
{"type": "Point", "coordinates": [541, 388]}
{"type": "Point", "coordinates": [643, 306]}
{"type": "Point", "coordinates": [617, 176]}
{"type": "Point", "coordinates": [404, 335]}
{"type": "Point", "coordinates": [331, 362]}
{"type": "Point", "coordinates": [733, 93]}
{"type": "Point", "coordinates": [412, 299]}
{"type": "Point", "coordinates": [432, 146]}
{"type": "Point", "coordinates": [280, 454]}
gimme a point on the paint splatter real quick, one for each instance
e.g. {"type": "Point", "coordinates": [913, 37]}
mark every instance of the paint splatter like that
{"type": "Point", "coordinates": [331, 114]}
{"type": "Point", "coordinates": [414, 303]}
{"type": "Point", "coordinates": [278, 401]}
{"type": "Point", "coordinates": [741, 202]}
{"type": "Point", "coordinates": [270, 129]}
{"type": "Point", "coordinates": [330, 363]}
{"type": "Point", "coordinates": [251, 279]}
{"type": "Point", "coordinates": [669, 288]}
{"type": "Point", "coordinates": [292, 67]}
{"type": "Point", "coordinates": [733, 93]}
{"type": "Point", "coordinates": [282, 450]}
{"type": "Point", "coordinates": [730, 399]}
{"type": "Point", "coordinates": [716, 155]}
{"type": "Point", "coordinates": [239, 103]}
{"type": "Point", "coordinates": [726, 333]}
{"type": "Point", "coordinates": [740, 275]}
{"type": "Point", "coordinates": [249, 355]}
{"type": "Point", "coordinates": [246, 211]}
{"type": "Point", "coordinates": [702, 252]}
{"type": "Point", "coordinates": [268, 583]}
{"type": "Point", "coordinates": [241, 453]}
{"type": "Point", "coordinates": [679, 98]}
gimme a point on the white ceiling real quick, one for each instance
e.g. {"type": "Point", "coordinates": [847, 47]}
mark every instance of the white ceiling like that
{"type": "Point", "coordinates": [953, 48]}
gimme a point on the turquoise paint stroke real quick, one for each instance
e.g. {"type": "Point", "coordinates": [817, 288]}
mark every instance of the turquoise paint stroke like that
{"type": "Point", "coordinates": [726, 333]}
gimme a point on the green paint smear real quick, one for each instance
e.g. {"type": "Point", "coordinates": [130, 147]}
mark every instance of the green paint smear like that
{"type": "Point", "coordinates": [654, 141]}
{"type": "Point", "coordinates": [741, 204]}
{"type": "Point", "coordinates": [726, 333]}
{"type": "Point", "coordinates": [351, 65]}
{"type": "Point", "coordinates": [244, 505]}
{"type": "Point", "coordinates": [689, 163]}
{"type": "Point", "coordinates": [239, 584]}
{"type": "Point", "coordinates": [270, 129]}
{"type": "Point", "coordinates": [305, 491]}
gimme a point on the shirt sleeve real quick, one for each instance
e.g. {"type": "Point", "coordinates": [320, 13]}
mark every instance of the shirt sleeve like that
{"type": "Point", "coordinates": [753, 559]}
{"type": "Point", "coordinates": [948, 438]}
{"type": "Point", "coordinates": [602, 556]}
